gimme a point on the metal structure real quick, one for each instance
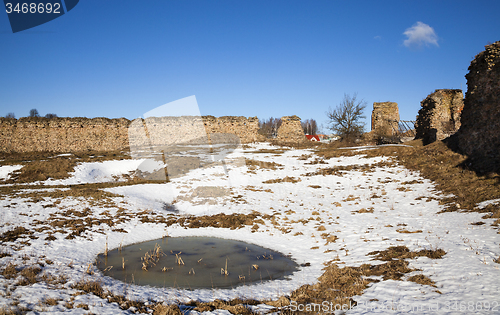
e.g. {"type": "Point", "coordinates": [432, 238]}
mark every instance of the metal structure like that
{"type": "Point", "coordinates": [406, 128]}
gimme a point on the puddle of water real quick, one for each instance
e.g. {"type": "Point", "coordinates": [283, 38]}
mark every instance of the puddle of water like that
{"type": "Point", "coordinates": [195, 262]}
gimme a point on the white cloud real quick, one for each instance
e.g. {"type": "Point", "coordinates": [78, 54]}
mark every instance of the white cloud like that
{"type": "Point", "coordinates": [420, 34]}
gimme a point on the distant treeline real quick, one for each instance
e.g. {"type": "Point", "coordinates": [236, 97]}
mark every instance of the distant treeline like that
{"type": "Point", "coordinates": [269, 127]}
{"type": "Point", "coordinates": [33, 113]}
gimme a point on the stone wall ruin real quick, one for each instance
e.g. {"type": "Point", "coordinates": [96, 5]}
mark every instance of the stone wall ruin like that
{"type": "Point", "coordinates": [103, 134]}
{"type": "Point", "coordinates": [479, 134]}
{"type": "Point", "coordinates": [385, 118]}
{"type": "Point", "coordinates": [291, 130]}
{"type": "Point", "coordinates": [62, 134]}
{"type": "Point", "coordinates": [439, 115]}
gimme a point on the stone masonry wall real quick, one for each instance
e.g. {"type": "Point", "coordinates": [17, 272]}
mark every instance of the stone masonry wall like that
{"type": "Point", "coordinates": [479, 134]}
{"type": "Point", "coordinates": [291, 130]}
{"type": "Point", "coordinates": [103, 134]}
{"type": "Point", "coordinates": [160, 131]}
{"type": "Point", "coordinates": [62, 134]}
{"type": "Point", "coordinates": [385, 118]}
{"type": "Point", "coordinates": [439, 115]}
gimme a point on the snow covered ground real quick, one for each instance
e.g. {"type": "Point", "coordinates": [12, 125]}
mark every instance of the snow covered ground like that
{"type": "Point", "coordinates": [367, 209]}
{"type": "Point", "coordinates": [5, 170]}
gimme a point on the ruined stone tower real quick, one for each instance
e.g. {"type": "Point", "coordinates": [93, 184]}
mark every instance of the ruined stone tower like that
{"type": "Point", "coordinates": [291, 130]}
{"type": "Point", "coordinates": [479, 134]}
{"type": "Point", "coordinates": [439, 115]}
{"type": "Point", "coordinates": [385, 118]}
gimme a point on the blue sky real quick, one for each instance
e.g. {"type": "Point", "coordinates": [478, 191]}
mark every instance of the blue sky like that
{"type": "Point", "coordinates": [122, 58]}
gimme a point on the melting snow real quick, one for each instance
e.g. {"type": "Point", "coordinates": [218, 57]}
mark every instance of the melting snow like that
{"type": "Point", "coordinates": [397, 196]}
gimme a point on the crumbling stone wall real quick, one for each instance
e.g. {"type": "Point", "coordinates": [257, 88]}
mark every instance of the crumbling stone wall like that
{"type": "Point", "coordinates": [103, 134]}
{"type": "Point", "coordinates": [439, 115]}
{"type": "Point", "coordinates": [291, 130]}
{"type": "Point", "coordinates": [164, 131]}
{"type": "Point", "coordinates": [245, 128]}
{"type": "Point", "coordinates": [62, 134]}
{"type": "Point", "coordinates": [385, 118]}
{"type": "Point", "coordinates": [479, 134]}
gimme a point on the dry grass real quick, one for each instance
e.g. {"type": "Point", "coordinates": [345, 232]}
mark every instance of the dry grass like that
{"type": "Point", "coordinates": [450, 171]}
{"type": "Point", "coordinates": [422, 279]}
{"type": "Point", "coordinates": [342, 169]}
{"type": "Point", "coordinates": [29, 275]}
{"type": "Point", "coordinates": [10, 271]}
{"type": "Point", "coordinates": [254, 164]}
{"type": "Point", "coordinates": [39, 166]}
{"type": "Point", "coordinates": [339, 285]}
{"type": "Point", "coordinates": [14, 311]}
{"type": "Point", "coordinates": [269, 151]}
{"type": "Point", "coordinates": [232, 221]}
{"type": "Point", "coordinates": [77, 222]}
{"type": "Point", "coordinates": [435, 161]}
{"type": "Point", "coordinates": [51, 301]}
{"type": "Point", "coordinates": [234, 306]}
{"type": "Point", "coordinates": [286, 179]}
{"type": "Point", "coordinates": [407, 231]}
{"type": "Point", "coordinates": [4, 254]}
{"type": "Point", "coordinates": [162, 309]}
{"type": "Point", "coordinates": [438, 162]}
{"type": "Point", "coordinates": [402, 252]}
{"type": "Point", "coordinates": [363, 210]}
{"type": "Point", "coordinates": [14, 234]}
{"type": "Point", "coordinates": [336, 285]}
{"type": "Point", "coordinates": [94, 287]}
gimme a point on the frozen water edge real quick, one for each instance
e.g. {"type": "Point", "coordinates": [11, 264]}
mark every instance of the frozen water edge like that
{"type": "Point", "coordinates": [466, 273]}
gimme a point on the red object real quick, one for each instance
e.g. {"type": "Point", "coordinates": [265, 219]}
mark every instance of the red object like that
{"type": "Point", "coordinates": [312, 137]}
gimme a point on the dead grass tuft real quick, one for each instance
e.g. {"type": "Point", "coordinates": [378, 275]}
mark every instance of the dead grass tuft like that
{"type": "Point", "coordinates": [254, 164]}
{"type": "Point", "coordinates": [93, 287]}
{"type": "Point", "coordinates": [51, 301]}
{"type": "Point", "coordinates": [363, 210]}
{"type": "Point", "coordinates": [56, 168]}
{"type": "Point", "coordinates": [407, 231]}
{"type": "Point", "coordinates": [14, 234]}
{"type": "Point", "coordinates": [330, 238]}
{"type": "Point", "coordinates": [235, 306]}
{"type": "Point", "coordinates": [286, 179]}
{"type": "Point", "coordinates": [315, 186]}
{"type": "Point", "coordinates": [162, 309]}
{"type": "Point", "coordinates": [232, 221]}
{"type": "Point", "coordinates": [14, 311]}
{"type": "Point", "coordinates": [402, 252]}
{"type": "Point", "coordinates": [10, 271]}
{"type": "Point", "coordinates": [422, 279]}
{"type": "Point", "coordinates": [336, 285]}
{"type": "Point", "coordinates": [29, 275]}
{"type": "Point", "coordinates": [4, 254]}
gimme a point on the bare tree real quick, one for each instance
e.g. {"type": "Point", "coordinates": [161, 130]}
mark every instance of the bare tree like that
{"type": "Point", "coordinates": [345, 118]}
{"type": "Point", "coordinates": [269, 128]}
{"type": "Point", "coordinates": [310, 126]}
{"type": "Point", "coordinates": [34, 113]}
{"type": "Point", "coordinates": [10, 115]}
